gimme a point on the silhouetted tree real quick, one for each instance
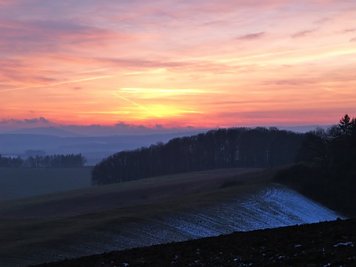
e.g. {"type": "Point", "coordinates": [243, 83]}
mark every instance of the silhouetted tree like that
{"type": "Point", "coordinates": [10, 162]}
{"type": "Point", "coordinates": [345, 125]}
{"type": "Point", "coordinates": [327, 166]}
{"type": "Point", "coordinates": [56, 161]}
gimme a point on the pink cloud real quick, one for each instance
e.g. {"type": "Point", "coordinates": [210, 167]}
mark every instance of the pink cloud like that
{"type": "Point", "coordinates": [4, 3]}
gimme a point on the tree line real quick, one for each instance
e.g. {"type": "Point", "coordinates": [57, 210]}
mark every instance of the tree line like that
{"type": "Point", "coordinates": [222, 148]}
{"type": "Point", "coordinates": [326, 166]}
{"type": "Point", "coordinates": [10, 162]}
{"type": "Point", "coordinates": [50, 161]}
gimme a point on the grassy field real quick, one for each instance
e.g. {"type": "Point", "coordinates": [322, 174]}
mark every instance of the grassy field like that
{"type": "Point", "coordinates": [183, 190]}
{"type": "Point", "coordinates": [18, 183]}
{"type": "Point", "coordinates": [40, 225]}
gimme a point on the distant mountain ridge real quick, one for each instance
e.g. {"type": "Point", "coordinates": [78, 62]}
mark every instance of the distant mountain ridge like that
{"type": "Point", "coordinates": [94, 149]}
{"type": "Point", "coordinates": [52, 131]}
{"type": "Point", "coordinates": [63, 130]}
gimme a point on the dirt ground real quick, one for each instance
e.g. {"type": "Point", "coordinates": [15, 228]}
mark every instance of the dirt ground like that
{"type": "Point", "coordinates": [322, 244]}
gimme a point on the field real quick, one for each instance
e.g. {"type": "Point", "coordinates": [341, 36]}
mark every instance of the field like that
{"type": "Point", "coordinates": [43, 225]}
{"type": "Point", "coordinates": [159, 209]}
{"type": "Point", "coordinates": [182, 190]}
{"type": "Point", "coordinates": [321, 244]}
{"type": "Point", "coordinates": [26, 182]}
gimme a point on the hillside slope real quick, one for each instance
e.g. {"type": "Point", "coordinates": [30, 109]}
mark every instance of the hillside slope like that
{"type": "Point", "coordinates": [146, 212]}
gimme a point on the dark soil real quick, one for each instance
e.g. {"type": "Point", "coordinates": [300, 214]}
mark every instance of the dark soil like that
{"type": "Point", "coordinates": [321, 244]}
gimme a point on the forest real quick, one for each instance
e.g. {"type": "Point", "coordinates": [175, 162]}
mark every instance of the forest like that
{"type": "Point", "coordinates": [320, 164]}
{"type": "Point", "coordinates": [222, 148]}
{"type": "Point", "coordinates": [325, 167]}
{"type": "Point", "coordinates": [50, 161]}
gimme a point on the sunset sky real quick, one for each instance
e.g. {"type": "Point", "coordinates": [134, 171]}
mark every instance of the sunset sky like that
{"type": "Point", "coordinates": [197, 63]}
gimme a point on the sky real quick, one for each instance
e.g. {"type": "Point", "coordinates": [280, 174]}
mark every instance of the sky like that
{"type": "Point", "coordinates": [216, 63]}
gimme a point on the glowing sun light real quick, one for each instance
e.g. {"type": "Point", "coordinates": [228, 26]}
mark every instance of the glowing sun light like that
{"type": "Point", "coordinates": [163, 111]}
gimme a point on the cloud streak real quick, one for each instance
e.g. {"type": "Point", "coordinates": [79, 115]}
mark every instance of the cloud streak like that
{"type": "Point", "coordinates": [304, 33]}
{"type": "Point", "coordinates": [251, 36]}
{"type": "Point", "coordinates": [21, 37]}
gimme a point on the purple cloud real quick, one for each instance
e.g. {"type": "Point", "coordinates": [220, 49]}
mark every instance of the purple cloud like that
{"type": "Point", "coordinates": [41, 36]}
{"type": "Point", "coordinates": [39, 120]}
{"type": "Point", "coordinates": [251, 36]}
{"type": "Point", "coordinates": [349, 30]}
{"type": "Point", "coordinates": [13, 124]}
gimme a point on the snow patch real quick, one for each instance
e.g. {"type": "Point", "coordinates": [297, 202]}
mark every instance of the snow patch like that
{"type": "Point", "coordinates": [344, 244]}
{"type": "Point", "coordinates": [273, 207]}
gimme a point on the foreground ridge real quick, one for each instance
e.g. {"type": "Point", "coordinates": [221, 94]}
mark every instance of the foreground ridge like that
{"type": "Point", "coordinates": [321, 244]}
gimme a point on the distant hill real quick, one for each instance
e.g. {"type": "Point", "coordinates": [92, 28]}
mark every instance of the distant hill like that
{"type": "Point", "coordinates": [52, 131]}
